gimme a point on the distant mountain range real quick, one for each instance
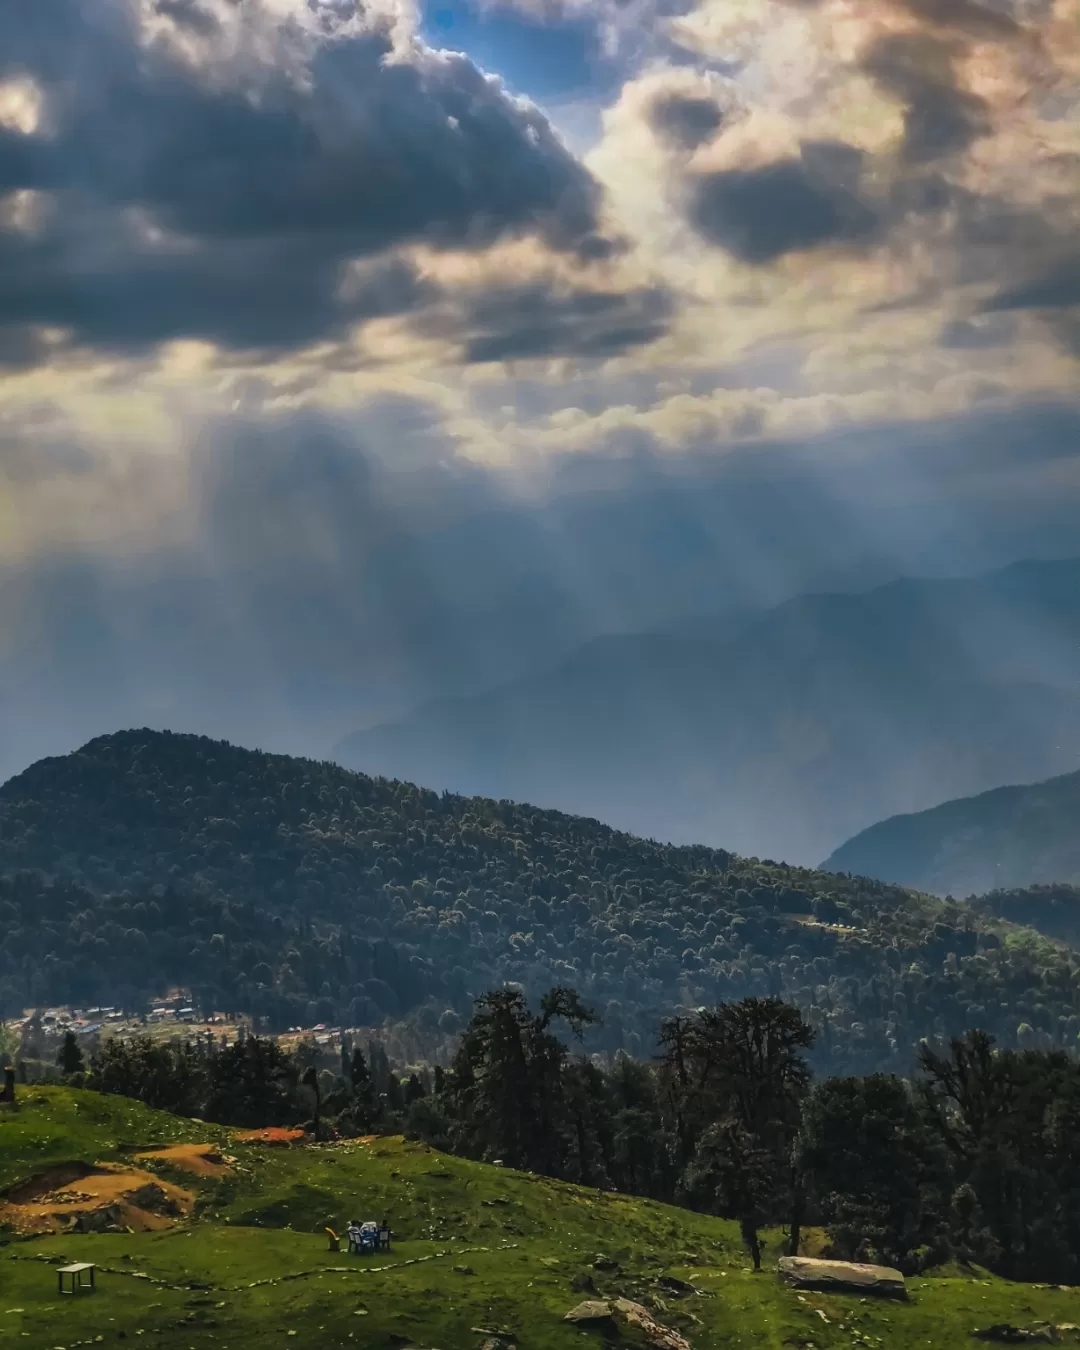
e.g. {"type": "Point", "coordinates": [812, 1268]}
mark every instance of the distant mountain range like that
{"type": "Point", "coordinates": [1007, 838]}
{"type": "Point", "coordinates": [777, 734]}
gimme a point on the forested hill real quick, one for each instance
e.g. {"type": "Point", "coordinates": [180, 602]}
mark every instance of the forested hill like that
{"type": "Point", "coordinates": [1005, 839]}
{"type": "Point", "coordinates": [302, 892]}
{"type": "Point", "coordinates": [1053, 910]}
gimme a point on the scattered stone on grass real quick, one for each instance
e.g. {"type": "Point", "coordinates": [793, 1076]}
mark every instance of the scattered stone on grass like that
{"type": "Point", "coordinates": [658, 1335]}
{"type": "Point", "coordinates": [1037, 1333]}
{"type": "Point", "coordinates": [675, 1287]}
{"type": "Point", "coordinates": [608, 1314]}
{"type": "Point", "coordinates": [592, 1310]}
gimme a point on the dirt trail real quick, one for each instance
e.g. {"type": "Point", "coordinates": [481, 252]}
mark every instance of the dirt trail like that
{"type": "Point", "coordinates": [274, 1134]}
{"type": "Point", "coordinates": [201, 1160]}
{"type": "Point", "coordinates": [81, 1197]}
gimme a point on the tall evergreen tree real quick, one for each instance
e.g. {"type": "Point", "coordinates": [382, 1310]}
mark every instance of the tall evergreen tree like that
{"type": "Point", "coordinates": [70, 1055]}
{"type": "Point", "coordinates": [732, 1175]}
{"type": "Point", "coordinates": [739, 1071]}
{"type": "Point", "coordinates": [506, 1085]}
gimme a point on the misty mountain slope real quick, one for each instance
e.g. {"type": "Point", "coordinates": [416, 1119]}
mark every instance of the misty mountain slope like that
{"type": "Point", "coordinates": [1052, 909]}
{"type": "Point", "coordinates": [1004, 839]}
{"type": "Point", "coordinates": [785, 733]}
{"type": "Point", "coordinates": [300, 892]}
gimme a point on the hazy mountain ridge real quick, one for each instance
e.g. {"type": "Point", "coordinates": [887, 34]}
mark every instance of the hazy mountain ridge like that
{"type": "Point", "coordinates": [1010, 837]}
{"type": "Point", "coordinates": [781, 733]}
{"type": "Point", "coordinates": [302, 892]}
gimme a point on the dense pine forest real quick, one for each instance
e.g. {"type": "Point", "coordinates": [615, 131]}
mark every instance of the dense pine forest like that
{"type": "Point", "coordinates": [298, 892]}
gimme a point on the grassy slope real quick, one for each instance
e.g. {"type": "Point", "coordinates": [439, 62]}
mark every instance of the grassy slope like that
{"type": "Point", "coordinates": [523, 1239]}
{"type": "Point", "coordinates": [61, 1125]}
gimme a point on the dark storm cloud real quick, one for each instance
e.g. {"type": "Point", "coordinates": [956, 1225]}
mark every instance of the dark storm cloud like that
{"type": "Point", "coordinates": [993, 20]}
{"type": "Point", "coordinates": [189, 14]}
{"type": "Point", "coordinates": [25, 163]}
{"type": "Point", "coordinates": [980, 20]}
{"type": "Point", "coordinates": [759, 215]}
{"type": "Point", "coordinates": [939, 118]}
{"type": "Point", "coordinates": [21, 348]}
{"type": "Point", "coordinates": [686, 120]}
{"type": "Point", "coordinates": [243, 295]}
{"type": "Point", "coordinates": [978, 333]}
{"type": "Point", "coordinates": [1058, 288]}
{"type": "Point", "coordinates": [259, 199]}
{"type": "Point", "coordinates": [531, 321]}
{"type": "Point", "coordinates": [919, 54]}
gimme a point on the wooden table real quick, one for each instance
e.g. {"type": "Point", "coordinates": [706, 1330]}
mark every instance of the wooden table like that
{"type": "Point", "coordinates": [76, 1272]}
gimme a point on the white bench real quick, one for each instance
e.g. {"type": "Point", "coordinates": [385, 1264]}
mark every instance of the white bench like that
{"type": "Point", "coordinates": [76, 1273]}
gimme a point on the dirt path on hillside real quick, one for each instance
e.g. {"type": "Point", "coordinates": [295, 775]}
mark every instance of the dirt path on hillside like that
{"type": "Point", "coordinates": [274, 1134]}
{"type": "Point", "coordinates": [201, 1160]}
{"type": "Point", "coordinates": [80, 1197]}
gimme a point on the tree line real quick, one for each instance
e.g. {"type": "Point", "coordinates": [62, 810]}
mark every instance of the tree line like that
{"type": "Point", "coordinates": [253, 1081]}
{"type": "Point", "coordinates": [975, 1157]}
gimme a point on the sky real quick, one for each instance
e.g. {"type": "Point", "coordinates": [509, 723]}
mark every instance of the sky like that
{"type": "Point", "coordinates": [351, 354]}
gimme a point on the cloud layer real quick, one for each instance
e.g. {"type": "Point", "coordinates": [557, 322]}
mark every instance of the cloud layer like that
{"type": "Point", "coordinates": [177, 172]}
{"type": "Point", "coordinates": [833, 226]}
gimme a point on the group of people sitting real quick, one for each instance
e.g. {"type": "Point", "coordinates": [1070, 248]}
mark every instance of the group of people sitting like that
{"type": "Point", "coordinates": [369, 1236]}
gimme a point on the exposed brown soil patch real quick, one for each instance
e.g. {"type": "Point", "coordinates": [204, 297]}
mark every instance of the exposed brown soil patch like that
{"type": "Point", "coordinates": [275, 1134]}
{"type": "Point", "coordinates": [56, 1178]}
{"type": "Point", "coordinates": [201, 1160]}
{"type": "Point", "coordinates": [80, 1197]}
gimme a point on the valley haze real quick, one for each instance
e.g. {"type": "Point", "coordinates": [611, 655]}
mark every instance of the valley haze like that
{"type": "Point", "coordinates": [782, 733]}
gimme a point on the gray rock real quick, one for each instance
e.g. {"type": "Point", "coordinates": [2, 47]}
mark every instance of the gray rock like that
{"type": "Point", "coordinates": [658, 1335]}
{"type": "Point", "coordinates": [677, 1288]}
{"type": "Point", "coordinates": [592, 1310]}
{"type": "Point", "coordinates": [608, 1315]}
{"type": "Point", "coordinates": [804, 1272]}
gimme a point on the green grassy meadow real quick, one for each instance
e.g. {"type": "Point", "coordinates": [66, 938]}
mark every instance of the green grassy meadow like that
{"type": "Point", "coordinates": [479, 1250]}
